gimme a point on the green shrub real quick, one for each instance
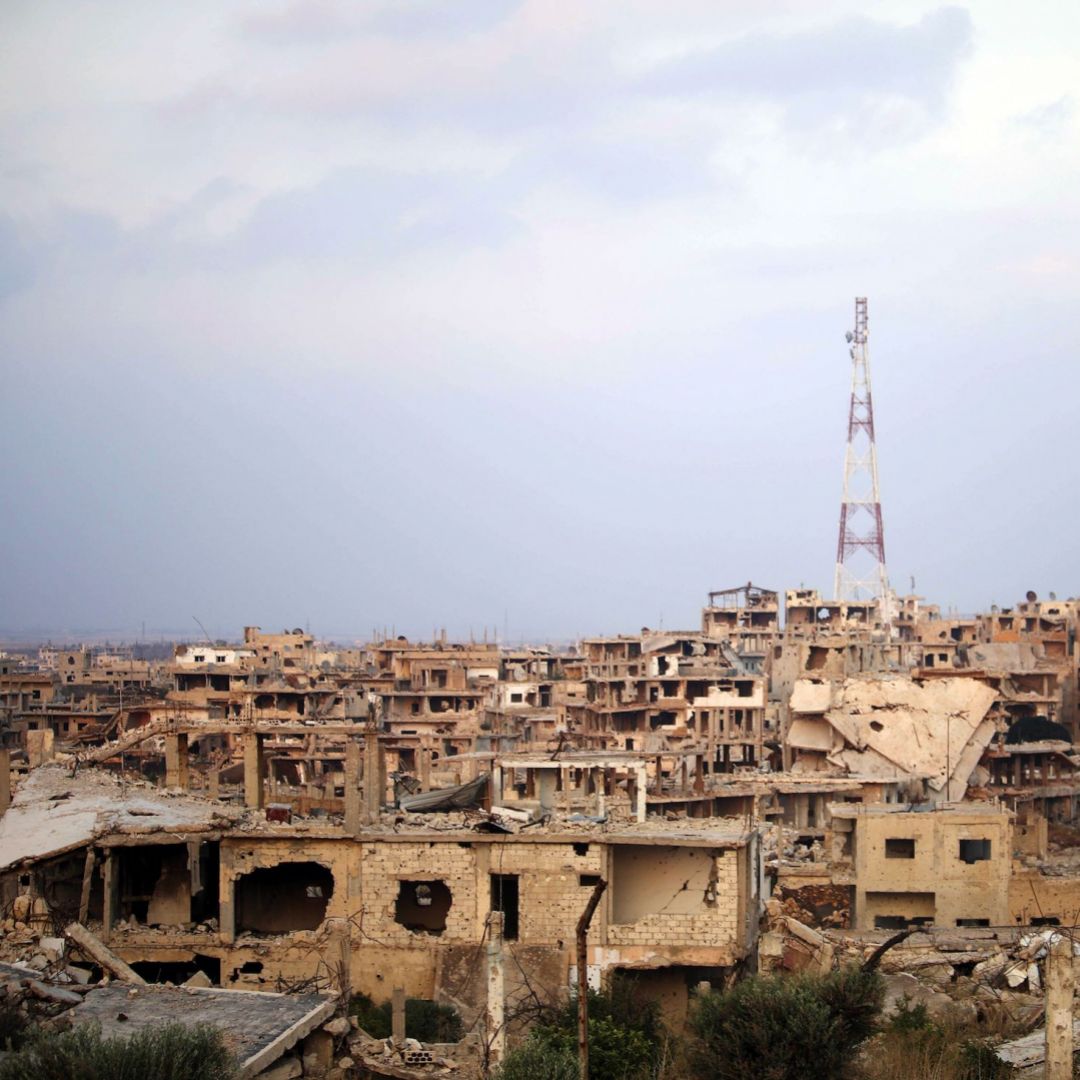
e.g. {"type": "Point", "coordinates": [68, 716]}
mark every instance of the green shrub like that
{"type": "Point", "coordinates": [425, 1020]}
{"type": "Point", "coordinates": [622, 1003]}
{"type": "Point", "coordinates": [13, 1026]}
{"type": "Point", "coordinates": [374, 1019]}
{"type": "Point", "coordinates": [909, 1019]}
{"type": "Point", "coordinates": [854, 997]}
{"type": "Point", "coordinates": [786, 1027]}
{"type": "Point", "coordinates": [168, 1052]}
{"type": "Point", "coordinates": [626, 1035]}
{"type": "Point", "coordinates": [978, 1061]}
{"type": "Point", "coordinates": [538, 1060]}
{"type": "Point", "coordinates": [626, 1039]}
{"type": "Point", "coordinates": [615, 1052]}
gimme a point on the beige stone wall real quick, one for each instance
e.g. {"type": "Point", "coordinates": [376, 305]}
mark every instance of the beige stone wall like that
{"type": "Point", "coordinates": [552, 897]}
{"type": "Point", "coordinates": [1031, 837]}
{"type": "Point", "coordinates": [381, 953]}
{"type": "Point", "coordinates": [384, 866]}
{"type": "Point", "coordinates": [685, 917]}
{"type": "Point", "coordinates": [961, 890]}
{"type": "Point", "coordinates": [1033, 895]}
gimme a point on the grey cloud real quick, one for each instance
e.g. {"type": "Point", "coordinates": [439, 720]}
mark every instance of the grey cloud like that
{"type": "Point", "coordinates": [424, 18]}
{"type": "Point", "coordinates": [627, 170]}
{"type": "Point", "coordinates": [315, 22]}
{"type": "Point", "coordinates": [363, 213]}
{"type": "Point", "coordinates": [1048, 119]}
{"type": "Point", "coordinates": [17, 264]}
{"type": "Point", "coordinates": [302, 22]}
{"type": "Point", "coordinates": [69, 235]}
{"type": "Point", "coordinates": [835, 67]}
{"type": "Point", "coordinates": [356, 215]}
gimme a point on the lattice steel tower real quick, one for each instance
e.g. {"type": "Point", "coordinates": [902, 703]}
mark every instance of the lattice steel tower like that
{"type": "Point", "coordinates": [860, 550]}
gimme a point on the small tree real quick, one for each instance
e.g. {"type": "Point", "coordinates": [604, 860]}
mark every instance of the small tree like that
{"type": "Point", "coordinates": [626, 1036]}
{"type": "Point", "coordinates": [538, 1060]}
{"type": "Point", "coordinates": [786, 1027]}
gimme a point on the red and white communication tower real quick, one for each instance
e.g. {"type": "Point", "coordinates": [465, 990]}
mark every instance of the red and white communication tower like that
{"type": "Point", "coordinates": [860, 550]}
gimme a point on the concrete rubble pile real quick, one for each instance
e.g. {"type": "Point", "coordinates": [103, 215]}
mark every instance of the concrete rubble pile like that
{"type": "Point", "coordinates": [787, 785]}
{"type": "Point", "coordinates": [51, 979]}
{"type": "Point", "coordinates": [961, 979]}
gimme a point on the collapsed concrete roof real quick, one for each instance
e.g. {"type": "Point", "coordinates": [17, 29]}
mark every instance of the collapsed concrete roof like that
{"type": "Point", "coordinates": [55, 811]}
{"type": "Point", "coordinates": [889, 728]}
{"type": "Point", "coordinates": [259, 1027]}
{"type": "Point", "coordinates": [1007, 656]}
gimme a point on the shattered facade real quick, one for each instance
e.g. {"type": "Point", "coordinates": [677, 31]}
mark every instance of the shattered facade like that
{"type": "Point", "coordinates": [284, 815]}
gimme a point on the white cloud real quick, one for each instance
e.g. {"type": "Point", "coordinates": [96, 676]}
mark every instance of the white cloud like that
{"type": "Point", "coordinates": [624, 224]}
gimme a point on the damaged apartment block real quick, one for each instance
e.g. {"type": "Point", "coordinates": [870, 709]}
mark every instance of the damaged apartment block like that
{"type": "Point", "coordinates": [420, 826]}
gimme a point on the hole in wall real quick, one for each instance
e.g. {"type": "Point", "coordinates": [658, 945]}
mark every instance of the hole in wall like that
{"type": "Point", "coordinates": [422, 906]}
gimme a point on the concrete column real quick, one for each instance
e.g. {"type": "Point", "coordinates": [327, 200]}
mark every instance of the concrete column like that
{"type": "Point", "coordinates": [227, 897]}
{"type": "Point", "coordinates": [373, 792]}
{"type": "Point", "coordinates": [1059, 1010]}
{"type": "Point", "coordinates": [342, 937]}
{"type": "Point", "coordinates": [111, 880]}
{"type": "Point", "coordinates": [641, 791]}
{"type": "Point", "coordinates": [254, 770]}
{"type": "Point", "coordinates": [177, 768]}
{"type": "Point", "coordinates": [496, 991]}
{"type": "Point", "coordinates": [424, 753]}
{"type": "Point", "coordinates": [5, 779]}
{"type": "Point", "coordinates": [353, 806]}
{"type": "Point", "coordinates": [397, 1015]}
{"type": "Point", "coordinates": [566, 784]}
{"type": "Point", "coordinates": [544, 783]}
{"type": "Point", "coordinates": [496, 784]}
{"type": "Point", "coordinates": [39, 746]}
{"type": "Point", "coordinates": [383, 771]}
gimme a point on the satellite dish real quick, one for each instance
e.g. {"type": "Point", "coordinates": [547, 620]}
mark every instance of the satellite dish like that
{"type": "Point", "coordinates": [1031, 597]}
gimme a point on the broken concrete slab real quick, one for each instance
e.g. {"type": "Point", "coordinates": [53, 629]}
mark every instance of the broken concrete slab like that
{"type": "Point", "coordinates": [54, 811]}
{"type": "Point", "coordinates": [98, 951]}
{"type": "Point", "coordinates": [259, 1027]}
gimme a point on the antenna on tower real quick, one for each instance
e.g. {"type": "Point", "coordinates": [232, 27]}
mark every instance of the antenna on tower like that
{"type": "Point", "coordinates": [860, 549]}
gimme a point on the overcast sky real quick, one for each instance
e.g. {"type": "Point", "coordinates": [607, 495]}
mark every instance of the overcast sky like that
{"type": "Point", "coordinates": [527, 314]}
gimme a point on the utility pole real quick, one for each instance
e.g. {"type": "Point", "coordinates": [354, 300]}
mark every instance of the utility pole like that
{"type": "Point", "coordinates": [583, 977]}
{"type": "Point", "coordinates": [860, 549]}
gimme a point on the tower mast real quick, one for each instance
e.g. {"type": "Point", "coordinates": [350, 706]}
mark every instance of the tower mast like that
{"type": "Point", "coordinates": [860, 549]}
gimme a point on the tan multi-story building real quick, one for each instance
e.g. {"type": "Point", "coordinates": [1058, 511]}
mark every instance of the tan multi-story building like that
{"type": "Point", "coordinates": [947, 867]}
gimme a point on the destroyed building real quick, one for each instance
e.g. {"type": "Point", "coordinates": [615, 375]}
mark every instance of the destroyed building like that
{"type": "Point", "coordinates": [279, 813]}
